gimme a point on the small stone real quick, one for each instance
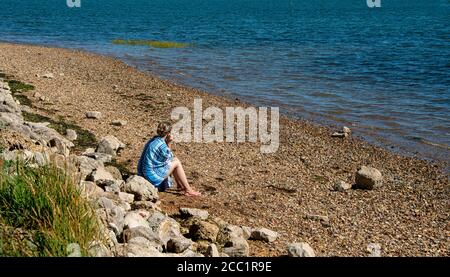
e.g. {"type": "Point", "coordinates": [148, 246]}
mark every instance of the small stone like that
{"type": "Point", "coordinates": [73, 250]}
{"type": "Point", "coordinates": [192, 212]}
{"type": "Point", "coordinates": [212, 251]}
{"type": "Point", "coordinates": [93, 114]}
{"type": "Point", "coordinates": [339, 135]}
{"type": "Point", "coordinates": [178, 245]}
{"type": "Point", "coordinates": [264, 234]}
{"type": "Point", "coordinates": [71, 134]}
{"type": "Point", "coordinates": [300, 250]}
{"type": "Point", "coordinates": [37, 95]}
{"type": "Point", "coordinates": [246, 232]}
{"type": "Point", "coordinates": [119, 122]}
{"type": "Point", "coordinates": [109, 145]}
{"type": "Point", "coordinates": [368, 178]}
{"type": "Point", "coordinates": [48, 75]}
{"type": "Point", "coordinates": [341, 186]}
{"type": "Point", "coordinates": [317, 217]}
{"type": "Point", "coordinates": [237, 247]}
{"type": "Point", "coordinates": [374, 249]}
{"type": "Point", "coordinates": [346, 130]}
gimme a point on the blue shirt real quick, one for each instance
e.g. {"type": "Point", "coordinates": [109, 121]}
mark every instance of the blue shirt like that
{"type": "Point", "coordinates": [155, 161]}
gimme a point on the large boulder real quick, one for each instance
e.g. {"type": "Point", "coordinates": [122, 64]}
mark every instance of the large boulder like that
{"type": "Point", "coordinates": [300, 250]}
{"type": "Point", "coordinates": [145, 232]}
{"type": "Point", "coordinates": [110, 145]}
{"type": "Point", "coordinates": [86, 165]}
{"type": "Point", "coordinates": [8, 104]}
{"type": "Point", "coordinates": [142, 189]}
{"type": "Point", "coordinates": [212, 251]}
{"type": "Point", "coordinates": [368, 178]}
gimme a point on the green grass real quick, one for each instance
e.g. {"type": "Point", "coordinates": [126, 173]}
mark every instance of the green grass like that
{"type": "Point", "coordinates": [85, 139]}
{"type": "Point", "coordinates": [151, 43]}
{"type": "Point", "coordinates": [17, 88]}
{"type": "Point", "coordinates": [41, 212]}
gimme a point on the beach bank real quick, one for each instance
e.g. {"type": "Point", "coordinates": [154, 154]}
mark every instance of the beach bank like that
{"type": "Point", "coordinates": [289, 191]}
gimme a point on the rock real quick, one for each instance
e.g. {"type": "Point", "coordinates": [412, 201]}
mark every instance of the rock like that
{"type": "Point", "coordinates": [110, 186]}
{"type": "Point", "coordinates": [115, 217]}
{"type": "Point", "coordinates": [115, 172]}
{"type": "Point", "coordinates": [99, 174]}
{"type": "Point", "coordinates": [339, 135]}
{"type": "Point", "coordinates": [126, 197]}
{"type": "Point", "coordinates": [71, 134]}
{"type": "Point", "coordinates": [223, 255]}
{"type": "Point", "coordinates": [86, 165]}
{"type": "Point", "coordinates": [48, 75]}
{"type": "Point", "coordinates": [119, 122]}
{"type": "Point", "coordinates": [102, 157]}
{"type": "Point", "coordinates": [41, 159]}
{"type": "Point", "coordinates": [8, 104]}
{"type": "Point", "coordinates": [191, 254]}
{"type": "Point", "coordinates": [212, 251]}
{"type": "Point", "coordinates": [246, 232]}
{"type": "Point", "coordinates": [204, 230]}
{"type": "Point", "coordinates": [264, 234]}
{"type": "Point", "coordinates": [164, 226]}
{"type": "Point", "coordinates": [192, 212]}
{"type": "Point", "coordinates": [145, 232]}
{"type": "Point", "coordinates": [318, 217]}
{"type": "Point", "coordinates": [341, 186]}
{"type": "Point", "coordinates": [73, 250]}
{"type": "Point", "coordinates": [346, 130]}
{"type": "Point", "coordinates": [90, 189]}
{"type": "Point", "coordinates": [141, 188]}
{"type": "Point", "coordinates": [229, 231]}
{"type": "Point", "coordinates": [105, 203]}
{"type": "Point", "coordinates": [374, 249]}
{"type": "Point", "coordinates": [60, 146]}
{"type": "Point", "coordinates": [145, 205]}
{"type": "Point", "coordinates": [300, 250]}
{"type": "Point", "coordinates": [368, 178]}
{"type": "Point", "coordinates": [237, 247]}
{"type": "Point", "coordinates": [109, 145]}
{"type": "Point", "coordinates": [141, 247]}
{"type": "Point", "coordinates": [93, 115]}
{"type": "Point", "coordinates": [178, 244]}
{"type": "Point", "coordinates": [97, 249]}
{"type": "Point", "coordinates": [135, 219]}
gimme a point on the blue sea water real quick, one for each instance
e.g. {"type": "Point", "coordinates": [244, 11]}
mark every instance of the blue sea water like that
{"type": "Point", "coordinates": [385, 71]}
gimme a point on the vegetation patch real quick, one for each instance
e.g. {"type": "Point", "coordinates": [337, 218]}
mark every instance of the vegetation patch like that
{"type": "Point", "coordinates": [151, 43]}
{"type": "Point", "coordinates": [85, 139]}
{"type": "Point", "coordinates": [41, 212]}
{"type": "Point", "coordinates": [19, 87]}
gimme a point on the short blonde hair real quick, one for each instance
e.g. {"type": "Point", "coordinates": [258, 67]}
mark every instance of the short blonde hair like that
{"type": "Point", "coordinates": [163, 129]}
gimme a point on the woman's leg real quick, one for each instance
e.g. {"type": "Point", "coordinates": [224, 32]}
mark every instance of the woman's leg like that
{"type": "Point", "coordinates": [180, 177]}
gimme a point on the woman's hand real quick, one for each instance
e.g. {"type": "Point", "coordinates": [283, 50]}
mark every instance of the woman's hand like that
{"type": "Point", "coordinates": [169, 139]}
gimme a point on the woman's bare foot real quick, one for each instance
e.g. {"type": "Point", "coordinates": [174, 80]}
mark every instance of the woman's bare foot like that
{"type": "Point", "coordinates": [192, 193]}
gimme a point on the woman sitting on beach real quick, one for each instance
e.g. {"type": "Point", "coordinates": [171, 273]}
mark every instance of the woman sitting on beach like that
{"type": "Point", "coordinates": [157, 163]}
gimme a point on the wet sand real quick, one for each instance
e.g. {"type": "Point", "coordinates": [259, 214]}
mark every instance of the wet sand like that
{"type": "Point", "coordinates": [408, 215]}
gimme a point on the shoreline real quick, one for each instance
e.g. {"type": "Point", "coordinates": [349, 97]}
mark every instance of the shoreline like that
{"type": "Point", "coordinates": [240, 184]}
{"type": "Point", "coordinates": [393, 145]}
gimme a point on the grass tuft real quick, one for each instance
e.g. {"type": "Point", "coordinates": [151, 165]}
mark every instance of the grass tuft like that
{"type": "Point", "coordinates": [41, 212]}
